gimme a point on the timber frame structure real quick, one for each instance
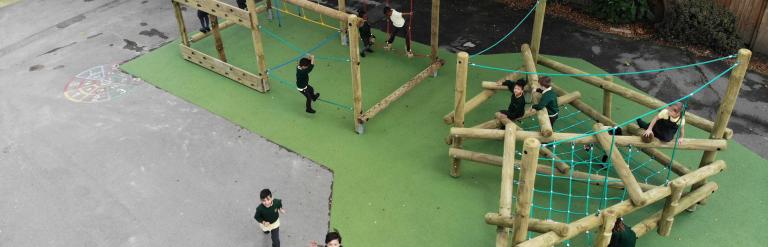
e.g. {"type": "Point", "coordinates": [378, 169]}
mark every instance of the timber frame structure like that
{"type": "Point", "coordinates": [513, 227]}
{"type": "Point", "coordinates": [260, 80]}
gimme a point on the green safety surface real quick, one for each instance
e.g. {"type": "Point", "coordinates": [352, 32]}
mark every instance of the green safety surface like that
{"type": "Point", "coordinates": [391, 184]}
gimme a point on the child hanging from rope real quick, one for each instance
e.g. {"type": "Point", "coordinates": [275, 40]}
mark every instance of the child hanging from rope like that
{"type": "Point", "coordinates": [516, 108]}
{"type": "Point", "coordinates": [548, 99]}
{"type": "Point", "coordinates": [398, 22]}
{"type": "Point", "coordinates": [204, 22]}
{"type": "Point", "coordinates": [302, 81]}
{"type": "Point", "coordinates": [365, 33]}
{"type": "Point", "coordinates": [665, 124]}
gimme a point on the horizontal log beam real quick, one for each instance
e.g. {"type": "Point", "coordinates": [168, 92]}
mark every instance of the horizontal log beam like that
{"type": "Point", "coordinates": [536, 225]}
{"type": "Point", "coordinates": [321, 9]}
{"type": "Point", "coordinates": [221, 10]}
{"type": "Point", "coordinates": [410, 84]}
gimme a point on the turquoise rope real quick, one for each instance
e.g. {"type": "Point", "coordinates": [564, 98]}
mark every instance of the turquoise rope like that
{"type": "Point", "coordinates": [283, 41]}
{"type": "Point", "coordinates": [510, 32]}
{"type": "Point", "coordinates": [302, 53]}
{"type": "Point", "coordinates": [603, 74]}
{"type": "Point", "coordinates": [289, 85]}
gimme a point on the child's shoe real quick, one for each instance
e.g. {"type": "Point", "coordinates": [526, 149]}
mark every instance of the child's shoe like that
{"type": "Point", "coordinates": [409, 54]}
{"type": "Point", "coordinates": [314, 98]}
{"type": "Point", "coordinates": [310, 111]}
{"type": "Point", "coordinates": [388, 47]}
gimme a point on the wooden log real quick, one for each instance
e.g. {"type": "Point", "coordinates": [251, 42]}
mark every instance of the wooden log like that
{"type": "Point", "coordinates": [538, 28]}
{"type": "Point", "coordinates": [471, 104]}
{"type": "Point", "coordinates": [200, 35]}
{"type": "Point", "coordinates": [585, 108]}
{"type": "Point", "coordinates": [622, 208]}
{"type": "Point", "coordinates": [670, 206]}
{"type": "Point", "coordinates": [726, 107]}
{"type": "Point", "coordinates": [460, 97]}
{"type": "Point", "coordinates": [217, 38]}
{"type": "Point", "coordinates": [545, 127]}
{"type": "Point", "coordinates": [562, 167]}
{"type": "Point", "coordinates": [354, 62]}
{"type": "Point", "coordinates": [546, 169]}
{"type": "Point", "coordinates": [490, 124]}
{"type": "Point", "coordinates": [326, 11]}
{"type": "Point", "coordinates": [621, 166]}
{"type": "Point", "coordinates": [536, 225]}
{"type": "Point", "coordinates": [608, 219]}
{"type": "Point", "coordinates": [227, 70]}
{"type": "Point", "coordinates": [525, 185]}
{"type": "Point", "coordinates": [180, 23]}
{"type": "Point", "coordinates": [529, 63]}
{"type": "Point", "coordinates": [384, 103]}
{"type": "Point", "coordinates": [342, 4]}
{"type": "Point", "coordinates": [434, 38]}
{"type": "Point", "coordinates": [607, 99]}
{"type": "Point", "coordinates": [689, 200]}
{"type": "Point", "coordinates": [636, 141]}
{"type": "Point", "coordinates": [507, 180]}
{"type": "Point", "coordinates": [258, 47]}
{"type": "Point", "coordinates": [630, 94]}
{"type": "Point", "coordinates": [222, 10]}
{"type": "Point", "coordinates": [495, 123]}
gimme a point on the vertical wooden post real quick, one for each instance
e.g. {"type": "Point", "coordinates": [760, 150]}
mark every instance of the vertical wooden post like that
{"type": "Point", "coordinates": [607, 99]}
{"type": "Point", "coordinates": [180, 21]}
{"type": "Point", "coordinates": [354, 61]}
{"type": "Point", "coordinates": [257, 44]}
{"type": "Point", "coordinates": [726, 108]}
{"type": "Point", "coordinates": [462, 60]}
{"type": "Point", "coordinates": [217, 37]}
{"type": "Point", "coordinates": [545, 126]}
{"type": "Point", "coordinates": [538, 26]}
{"type": "Point", "coordinates": [507, 181]}
{"type": "Point", "coordinates": [435, 33]}
{"type": "Point", "coordinates": [670, 207]}
{"type": "Point", "coordinates": [527, 180]}
{"type": "Point", "coordinates": [608, 218]}
{"type": "Point", "coordinates": [344, 31]}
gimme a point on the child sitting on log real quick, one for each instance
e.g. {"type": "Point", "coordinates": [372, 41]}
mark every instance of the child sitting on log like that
{"type": "Point", "coordinates": [332, 239]}
{"type": "Point", "coordinates": [302, 81]}
{"type": "Point", "coordinates": [548, 99]}
{"type": "Point", "coordinates": [398, 22]}
{"type": "Point", "coordinates": [516, 108]}
{"type": "Point", "coordinates": [365, 33]}
{"type": "Point", "coordinates": [665, 124]}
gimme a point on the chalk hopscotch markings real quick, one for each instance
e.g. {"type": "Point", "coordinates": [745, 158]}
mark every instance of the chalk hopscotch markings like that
{"type": "Point", "coordinates": [99, 84]}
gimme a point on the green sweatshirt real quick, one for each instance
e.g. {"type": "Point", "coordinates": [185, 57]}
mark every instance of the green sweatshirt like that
{"type": "Point", "coordinates": [624, 238]}
{"type": "Point", "coordinates": [268, 214]}
{"type": "Point", "coordinates": [548, 100]}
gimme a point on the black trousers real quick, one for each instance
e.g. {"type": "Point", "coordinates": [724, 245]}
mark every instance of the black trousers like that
{"type": "Point", "coordinates": [553, 119]}
{"type": "Point", "coordinates": [204, 22]}
{"type": "Point", "coordinates": [241, 4]}
{"type": "Point", "coordinates": [275, 234]}
{"type": "Point", "coordinates": [404, 31]}
{"type": "Point", "coordinates": [309, 93]}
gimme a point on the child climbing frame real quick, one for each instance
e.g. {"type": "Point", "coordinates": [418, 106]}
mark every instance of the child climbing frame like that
{"type": "Point", "coordinates": [543, 160]}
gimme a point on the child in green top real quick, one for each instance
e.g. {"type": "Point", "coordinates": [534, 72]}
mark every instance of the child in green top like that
{"type": "Point", "coordinates": [548, 99]}
{"type": "Point", "coordinates": [268, 214]}
{"type": "Point", "coordinates": [302, 81]}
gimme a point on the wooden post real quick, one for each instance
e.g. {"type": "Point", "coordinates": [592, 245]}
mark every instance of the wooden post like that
{"type": "Point", "coordinates": [217, 38]}
{"type": "Point", "coordinates": [257, 44]}
{"type": "Point", "coordinates": [507, 181]}
{"type": "Point", "coordinates": [460, 96]}
{"type": "Point", "coordinates": [538, 26]}
{"type": "Point", "coordinates": [345, 35]}
{"type": "Point", "coordinates": [180, 21]}
{"type": "Point", "coordinates": [525, 189]}
{"type": "Point", "coordinates": [354, 61]}
{"type": "Point", "coordinates": [607, 99]}
{"type": "Point", "coordinates": [726, 107]}
{"type": "Point", "coordinates": [529, 63]}
{"type": "Point", "coordinates": [608, 218]}
{"type": "Point", "coordinates": [545, 126]}
{"type": "Point", "coordinates": [671, 205]}
{"type": "Point", "coordinates": [622, 169]}
{"type": "Point", "coordinates": [435, 31]}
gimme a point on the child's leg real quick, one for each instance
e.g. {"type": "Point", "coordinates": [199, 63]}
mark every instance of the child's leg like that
{"type": "Point", "coordinates": [552, 120]}
{"type": "Point", "coordinates": [392, 35]}
{"type": "Point", "coordinates": [309, 93]}
{"type": "Point", "coordinates": [276, 237]}
{"type": "Point", "coordinates": [207, 22]}
{"type": "Point", "coordinates": [407, 38]}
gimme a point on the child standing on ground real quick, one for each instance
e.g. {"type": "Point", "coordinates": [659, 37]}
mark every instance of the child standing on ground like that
{"type": "Point", "coordinates": [398, 22]}
{"type": "Point", "coordinates": [365, 33]}
{"type": "Point", "coordinates": [268, 215]}
{"type": "Point", "coordinates": [204, 22]}
{"type": "Point", "coordinates": [302, 81]}
{"type": "Point", "coordinates": [665, 124]}
{"type": "Point", "coordinates": [548, 99]}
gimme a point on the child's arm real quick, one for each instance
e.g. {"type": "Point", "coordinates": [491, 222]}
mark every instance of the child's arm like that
{"type": "Point", "coordinates": [649, 131]}
{"type": "Point", "coordinates": [682, 134]}
{"type": "Point", "coordinates": [409, 13]}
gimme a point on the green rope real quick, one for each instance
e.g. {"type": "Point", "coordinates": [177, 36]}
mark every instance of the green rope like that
{"type": "Point", "coordinates": [510, 32]}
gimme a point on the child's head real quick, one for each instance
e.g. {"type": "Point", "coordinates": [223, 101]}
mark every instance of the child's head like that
{"type": "Point", "coordinates": [545, 82]}
{"type": "Point", "coordinates": [362, 14]}
{"type": "Point", "coordinates": [266, 197]}
{"type": "Point", "coordinates": [675, 109]}
{"type": "Point", "coordinates": [333, 239]}
{"type": "Point", "coordinates": [304, 62]}
{"type": "Point", "coordinates": [387, 11]}
{"type": "Point", "coordinates": [519, 86]}
{"type": "Point", "coordinates": [619, 225]}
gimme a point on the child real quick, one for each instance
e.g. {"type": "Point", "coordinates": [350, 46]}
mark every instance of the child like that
{"type": "Point", "coordinates": [302, 81]}
{"type": "Point", "coordinates": [548, 99]}
{"type": "Point", "coordinates": [399, 26]}
{"type": "Point", "coordinates": [622, 236]}
{"type": "Point", "coordinates": [665, 124]}
{"type": "Point", "coordinates": [365, 34]}
{"type": "Point", "coordinates": [241, 4]}
{"type": "Point", "coordinates": [516, 108]}
{"type": "Point", "coordinates": [204, 22]}
{"type": "Point", "coordinates": [268, 214]}
{"type": "Point", "coordinates": [332, 239]}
